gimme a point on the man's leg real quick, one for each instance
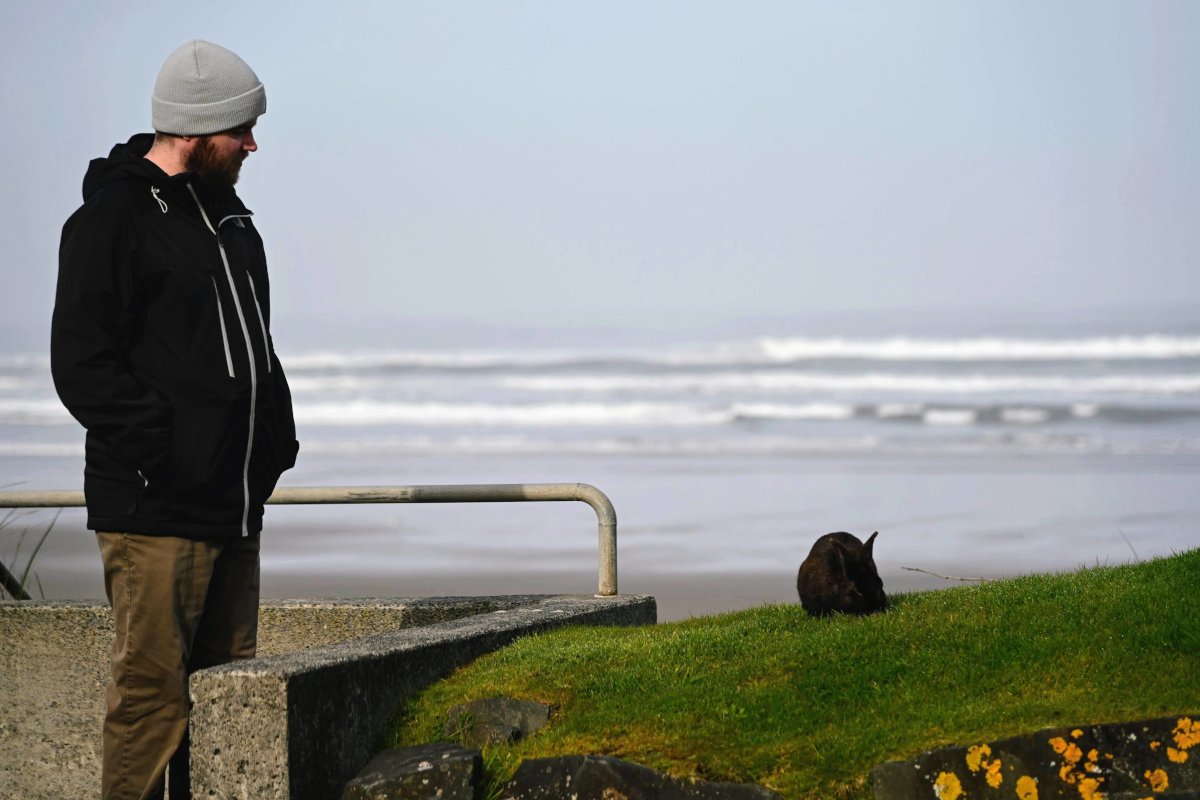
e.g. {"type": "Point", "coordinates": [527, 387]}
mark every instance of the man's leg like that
{"type": "Point", "coordinates": [157, 586]}
{"type": "Point", "coordinates": [228, 631]}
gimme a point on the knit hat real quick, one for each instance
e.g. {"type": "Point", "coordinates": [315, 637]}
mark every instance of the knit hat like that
{"type": "Point", "coordinates": [203, 88]}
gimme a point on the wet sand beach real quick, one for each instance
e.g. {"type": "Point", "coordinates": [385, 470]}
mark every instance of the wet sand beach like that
{"type": "Point", "coordinates": [69, 565]}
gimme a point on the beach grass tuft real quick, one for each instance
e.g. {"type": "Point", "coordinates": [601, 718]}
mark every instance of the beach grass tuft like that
{"type": "Point", "coordinates": [15, 578]}
{"type": "Point", "coordinates": [807, 706]}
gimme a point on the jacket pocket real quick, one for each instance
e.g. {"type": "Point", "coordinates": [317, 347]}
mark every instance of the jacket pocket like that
{"type": "Point", "coordinates": [208, 450]}
{"type": "Point", "coordinates": [271, 456]}
{"type": "Point", "coordinates": [224, 330]}
{"type": "Point", "coordinates": [111, 486]}
{"type": "Point", "coordinates": [285, 420]}
{"type": "Point", "coordinates": [262, 322]}
{"type": "Point", "coordinates": [275, 445]}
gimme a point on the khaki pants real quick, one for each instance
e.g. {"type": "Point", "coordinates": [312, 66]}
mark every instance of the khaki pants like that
{"type": "Point", "coordinates": [179, 605]}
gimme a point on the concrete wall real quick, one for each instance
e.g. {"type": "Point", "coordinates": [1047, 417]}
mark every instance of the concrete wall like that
{"type": "Point", "coordinates": [294, 723]}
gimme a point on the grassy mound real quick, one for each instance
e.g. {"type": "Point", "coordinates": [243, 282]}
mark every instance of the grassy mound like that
{"type": "Point", "coordinates": [806, 706]}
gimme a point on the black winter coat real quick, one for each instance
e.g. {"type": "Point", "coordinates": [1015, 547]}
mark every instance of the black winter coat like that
{"type": "Point", "coordinates": [160, 347]}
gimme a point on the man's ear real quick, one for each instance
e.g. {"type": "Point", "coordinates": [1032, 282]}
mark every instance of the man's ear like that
{"type": "Point", "coordinates": [186, 144]}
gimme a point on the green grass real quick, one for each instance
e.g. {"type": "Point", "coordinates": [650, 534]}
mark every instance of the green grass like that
{"type": "Point", "coordinates": [14, 578]}
{"type": "Point", "coordinates": [806, 707]}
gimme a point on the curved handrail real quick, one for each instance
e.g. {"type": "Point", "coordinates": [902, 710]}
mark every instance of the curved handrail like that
{"type": "Point", "coordinates": [606, 515]}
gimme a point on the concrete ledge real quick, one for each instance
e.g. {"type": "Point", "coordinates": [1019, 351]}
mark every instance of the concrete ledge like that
{"type": "Point", "coordinates": [285, 626]}
{"type": "Point", "coordinates": [54, 669]}
{"type": "Point", "coordinates": [300, 725]}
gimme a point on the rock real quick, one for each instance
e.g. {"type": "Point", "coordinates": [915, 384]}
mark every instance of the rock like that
{"type": "Point", "coordinates": [445, 771]}
{"type": "Point", "coordinates": [604, 778]}
{"type": "Point", "coordinates": [1127, 759]}
{"type": "Point", "coordinates": [496, 720]}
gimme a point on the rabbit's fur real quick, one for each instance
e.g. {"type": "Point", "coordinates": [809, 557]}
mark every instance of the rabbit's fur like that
{"type": "Point", "coordinates": [839, 575]}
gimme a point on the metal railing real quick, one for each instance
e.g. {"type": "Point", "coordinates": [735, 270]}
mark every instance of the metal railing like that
{"type": "Point", "coordinates": [606, 515]}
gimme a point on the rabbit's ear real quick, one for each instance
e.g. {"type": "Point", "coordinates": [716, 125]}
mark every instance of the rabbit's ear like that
{"type": "Point", "coordinates": [840, 557]}
{"type": "Point", "coordinates": [868, 551]}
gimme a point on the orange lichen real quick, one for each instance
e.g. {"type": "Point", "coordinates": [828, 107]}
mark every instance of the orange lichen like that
{"type": "Point", "coordinates": [1089, 789]}
{"type": "Point", "coordinates": [1187, 733]}
{"type": "Point", "coordinates": [1068, 750]}
{"type": "Point", "coordinates": [1157, 779]}
{"type": "Point", "coordinates": [994, 776]}
{"type": "Point", "coordinates": [947, 786]}
{"type": "Point", "coordinates": [1177, 756]}
{"type": "Point", "coordinates": [1027, 788]}
{"type": "Point", "coordinates": [1092, 757]}
{"type": "Point", "coordinates": [977, 755]}
{"type": "Point", "coordinates": [1081, 776]}
{"type": "Point", "coordinates": [1155, 745]}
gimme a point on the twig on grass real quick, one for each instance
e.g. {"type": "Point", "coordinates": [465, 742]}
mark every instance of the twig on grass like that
{"type": "Point", "coordinates": [946, 577]}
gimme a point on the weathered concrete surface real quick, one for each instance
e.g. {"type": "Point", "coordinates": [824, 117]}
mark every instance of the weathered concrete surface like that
{"type": "Point", "coordinates": [53, 670]}
{"type": "Point", "coordinates": [495, 720]}
{"type": "Point", "coordinates": [54, 667]}
{"type": "Point", "coordinates": [289, 625]}
{"type": "Point", "coordinates": [1159, 757]}
{"type": "Point", "coordinates": [300, 725]}
{"type": "Point", "coordinates": [442, 771]}
{"type": "Point", "coordinates": [605, 778]}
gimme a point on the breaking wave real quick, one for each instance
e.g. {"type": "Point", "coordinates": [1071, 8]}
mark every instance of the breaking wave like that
{"type": "Point", "coordinates": [860, 382]}
{"type": "Point", "coordinates": [1104, 348]}
{"type": "Point", "coordinates": [765, 350]}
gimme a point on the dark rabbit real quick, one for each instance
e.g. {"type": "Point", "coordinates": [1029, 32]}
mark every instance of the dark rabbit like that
{"type": "Point", "coordinates": [839, 575]}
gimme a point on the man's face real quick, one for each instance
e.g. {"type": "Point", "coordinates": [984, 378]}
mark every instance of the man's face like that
{"type": "Point", "coordinates": [218, 157]}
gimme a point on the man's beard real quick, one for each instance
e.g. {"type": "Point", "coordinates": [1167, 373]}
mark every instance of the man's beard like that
{"type": "Point", "coordinates": [218, 172]}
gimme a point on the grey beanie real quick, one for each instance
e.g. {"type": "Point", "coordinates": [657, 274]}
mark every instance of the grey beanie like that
{"type": "Point", "coordinates": [203, 88]}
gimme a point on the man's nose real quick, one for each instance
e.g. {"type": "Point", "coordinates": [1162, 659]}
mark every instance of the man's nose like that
{"type": "Point", "coordinates": [248, 143]}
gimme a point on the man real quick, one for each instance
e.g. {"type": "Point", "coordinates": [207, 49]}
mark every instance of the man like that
{"type": "Point", "coordinates": [161, 348]}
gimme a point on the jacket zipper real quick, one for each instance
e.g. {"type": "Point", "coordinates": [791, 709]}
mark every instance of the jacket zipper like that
{"type": "Point", "coordinates": [237, 304]}
{"type": "Point", "coordinates": [224, 334]}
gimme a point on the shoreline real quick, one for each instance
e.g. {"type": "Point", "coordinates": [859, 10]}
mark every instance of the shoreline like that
{"type": "Point", "coordinates": [320, 561]}
{"type": "Point", "coordinates": [679, 595]}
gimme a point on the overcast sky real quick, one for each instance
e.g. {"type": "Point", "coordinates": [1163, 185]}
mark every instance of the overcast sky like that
{"type": "Point", "coordinates": [634, 163]}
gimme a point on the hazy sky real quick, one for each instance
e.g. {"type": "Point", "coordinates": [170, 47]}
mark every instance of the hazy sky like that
{"type": "Point", "coordinates": [626, 162]}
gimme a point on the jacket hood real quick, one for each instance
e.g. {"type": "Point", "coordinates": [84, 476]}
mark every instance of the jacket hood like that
{"type": "Point", "coordinates": [123, 161]}
{"type": "Point", "coordinates": [127, 161]}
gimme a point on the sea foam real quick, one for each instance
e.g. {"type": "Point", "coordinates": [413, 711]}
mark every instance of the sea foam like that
{"type": "Point", "coordinates": [983, 348]}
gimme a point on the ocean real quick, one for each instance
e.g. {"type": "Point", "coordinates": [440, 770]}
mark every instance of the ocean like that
{"type": "Point", "coordinates": [726, 457]}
